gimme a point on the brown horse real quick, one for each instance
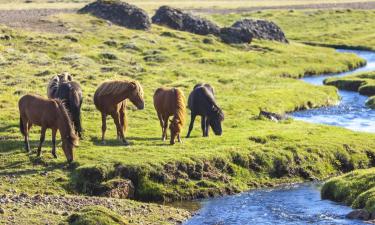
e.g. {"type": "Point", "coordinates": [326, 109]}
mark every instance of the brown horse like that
{"type": "Point", "coordinates": [110, 99]}
{"type": "Point", "coordinates": [170, 102]}
{"type": "Point", "coordinates": [47, 113]}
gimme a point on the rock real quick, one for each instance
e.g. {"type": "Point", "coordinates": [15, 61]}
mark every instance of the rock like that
{"type": "Point", "coordinates": [2, 211]}
{"type": "Point", "coordinates": [262, 29]}
{"type": "Point", "coordinates": [119, 188]}
{"type": "Point", "coordinates": [178, 20]}
{"type": "Point", "coordinates": [235, 35]}
{"type": "Point", "coordinates": [359, 214]}
{"type": "Point", "coordinates": [119, 13]}
{"type": "Point", "coordinates": [272, 116]}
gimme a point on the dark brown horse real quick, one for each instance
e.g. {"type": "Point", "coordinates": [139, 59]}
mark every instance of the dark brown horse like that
{"type": "Point", "coordinates": [110, 98]}
{"type": "Point", "coordinates": [49, 114]}
{"type": "Point", "coordinates": [202, 102]}
{"type": "Point", "coordinates": [170, 102]}
{"type": "Point", "coordinates": [62, 87]}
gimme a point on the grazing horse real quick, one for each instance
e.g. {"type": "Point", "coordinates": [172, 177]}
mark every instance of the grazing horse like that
{"type": "Point", "coordinates": [62, 87]}
{"type": "Point", "coordinates": [202, 102]}
{"type": "Point", "coordinates": [110, 99]}
{"type": "Point", "coordinates": [170, 102]}
{"type": "Point", "coordinates": [49, 114]}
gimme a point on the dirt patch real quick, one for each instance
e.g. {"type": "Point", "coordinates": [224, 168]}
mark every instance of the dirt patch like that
{"type": "Point", "coordinates": [349, 5]}
{"type": "Point", "coordinates": [34, 19]}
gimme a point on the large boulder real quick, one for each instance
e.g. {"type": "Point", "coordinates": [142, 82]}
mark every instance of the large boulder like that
{"type": "Point", "coordinates": [359, 214]}
{"type": "Point", "coordinates": [178, 20]}
{"type": "Point", "coordinates": [119, 13]}
{"type": "Point", "coordinates": [262, 29]}
{"type": "Point", "coordinates": [235, 35]}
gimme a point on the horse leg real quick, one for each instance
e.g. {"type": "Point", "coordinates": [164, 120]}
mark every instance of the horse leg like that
{"type": "Point", "coordinates": [104, 126]}
{"type": "Point", "coordinates": [122, 118]}
{"type": "Point", "coordinates": [203, 125]}
{"type": "Point", "coordinates": [161, 125]}
{"type": "Point", "coordinates": [54, 131]}
{"type": "Point", "coordinates": [116, 119]}
{"type": "Point", "coordinates": [179, 138]}
{"type": "Point", "coordinates": [165, 128]}
{"type": "Point", "coordinates": [207, 126]}
{"type": "Point", "coordinates": [25, 131]}
{"type": "Point", "coordinates": [191, 124]}
{"type": "Point", "coordinates": [42, 137]}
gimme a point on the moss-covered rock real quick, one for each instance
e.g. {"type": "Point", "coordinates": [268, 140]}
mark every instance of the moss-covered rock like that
{"type": "Point", "coordinates": [96, 215]}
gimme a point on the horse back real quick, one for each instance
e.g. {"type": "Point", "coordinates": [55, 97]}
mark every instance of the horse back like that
{"type": "Point", "coordinates": [201, 99]}
{"type": "Point", "coordinates": [165, 101]}
{"type": "Point", "coordinates": [38, 110]}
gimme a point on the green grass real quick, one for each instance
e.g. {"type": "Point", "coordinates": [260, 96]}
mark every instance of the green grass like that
{"type": "Point", "coordinates": [356, 189]}
{"type": "Point", "coordinates": [338, 28]}
{"type": "Point", "coordinates": [251, 153]}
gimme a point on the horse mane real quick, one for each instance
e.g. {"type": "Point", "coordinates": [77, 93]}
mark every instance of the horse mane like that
{"type": "Point", "coordinates": [54, 83]}
{"type": "Point", "coordinates": [211, 99]}
{"type": "Point", "coordinates": [180, 111]}
{"type": "Point", "coordinates": [69, 126]}
{"type": "Point", "coordinates": [115, 87]}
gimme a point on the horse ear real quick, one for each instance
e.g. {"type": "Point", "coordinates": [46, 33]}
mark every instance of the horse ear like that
{"type": "Point", "coordinates": [133, 85]}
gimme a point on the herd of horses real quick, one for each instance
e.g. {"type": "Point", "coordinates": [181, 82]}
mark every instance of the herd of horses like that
{"type": "Point", "coordinates": [61, 111]}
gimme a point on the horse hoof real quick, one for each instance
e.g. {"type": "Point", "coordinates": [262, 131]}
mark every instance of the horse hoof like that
{"type": "Point", "coordinates": [103, 142]}
{"type": "Point", "coordinates": [125, 143]}
{"type": "Point", "coordinates": [54, 156]}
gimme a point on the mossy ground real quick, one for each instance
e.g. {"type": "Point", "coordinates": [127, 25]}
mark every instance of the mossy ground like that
{"type": "Point", "coordinates": [356, 189]}
{"type": "Point", "coordinates": [364, 83]}
{"type": "Point", "coordinates": [251, 152]}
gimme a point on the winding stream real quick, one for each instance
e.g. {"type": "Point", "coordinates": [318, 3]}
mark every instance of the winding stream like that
{"type": "Point", "coordinates": [296, 204]}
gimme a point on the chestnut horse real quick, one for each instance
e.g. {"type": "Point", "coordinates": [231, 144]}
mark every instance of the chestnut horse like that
{"type": "Point", "coordinates": [170, 102]}
{"type": "Point", "coordinates": [62, 87]}
{"type": "Point", "coordinates": [110, 99]}
{"type": "Point", "coordinates": [47, 113]}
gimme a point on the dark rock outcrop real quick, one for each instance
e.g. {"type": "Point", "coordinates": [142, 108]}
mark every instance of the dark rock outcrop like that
{"type": "Point", "coordinates": [359, 214]}
{"type": "Point", "coordinates": [178, 20]}
{"type": "Point", "coordinates": [235, 35]}
{"type": "Point", "coordinates": [119, 13]}
{"type": "Point", "coordinates": [262, 29]}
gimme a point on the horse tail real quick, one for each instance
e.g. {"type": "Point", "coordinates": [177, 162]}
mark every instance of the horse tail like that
{"type": "Point", "coordinates": [22, 128]}
{"type": "Point", "coordinates": [180, 110]}
{"type": "Point", "coordinates": [76, 99]}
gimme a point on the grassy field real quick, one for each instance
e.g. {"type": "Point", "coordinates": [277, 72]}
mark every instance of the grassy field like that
{"type": "Point", "coordinates": [251, 153]}
{"type": "Point", "coordinates": [338, 28]}
{"type": "Point", "coordinates": [356, 189]}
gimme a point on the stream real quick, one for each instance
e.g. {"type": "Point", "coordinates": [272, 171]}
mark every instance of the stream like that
{"type": "Point", "coordinates": [301, 203]}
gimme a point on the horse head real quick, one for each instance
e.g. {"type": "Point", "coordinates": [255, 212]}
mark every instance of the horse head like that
{"type": "Point", "coordinates": [215, 118]}
{"type": "Point", "coordinates": [136, 95]}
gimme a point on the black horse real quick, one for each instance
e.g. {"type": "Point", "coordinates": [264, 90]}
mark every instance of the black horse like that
{"type": "Point", "coordinates": [202, 102]}
{"type": "Point", "coordinates": [71, 94]}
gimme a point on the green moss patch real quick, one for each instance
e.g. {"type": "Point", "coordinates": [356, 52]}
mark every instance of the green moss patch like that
{"type": "Point", "coordinates": [96, 215]}
{"type": "Point", "coordinates": [356, 189]}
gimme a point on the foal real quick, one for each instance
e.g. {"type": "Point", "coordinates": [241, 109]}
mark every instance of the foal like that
{"type": "Point", "coordinates": [51, 114]}
{"type": "Point", "coordinates": [170, 102]}
{"type": "Point", "coordinates": [110, 98]}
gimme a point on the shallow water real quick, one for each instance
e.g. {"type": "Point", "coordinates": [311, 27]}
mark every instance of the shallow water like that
{"type": "Point", "coordinates": [296, 204]}
{"type": "Point", "coordinates": [351, 112]}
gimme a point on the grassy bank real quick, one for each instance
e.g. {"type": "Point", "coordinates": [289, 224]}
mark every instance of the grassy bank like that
{"type": "Point", "coordinates": [364, 83]}
{"type": "Point", "coordinates": [356, 189]}
{"type": "Point", "coordinates": [336, 28]}
{"type": "Point", "coordinates": [251, 153]}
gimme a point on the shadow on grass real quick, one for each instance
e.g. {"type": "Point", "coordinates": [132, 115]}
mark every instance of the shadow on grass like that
{"type": "Point", "coordinates": [114, 142]}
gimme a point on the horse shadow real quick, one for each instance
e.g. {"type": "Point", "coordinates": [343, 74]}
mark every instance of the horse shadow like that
{"type": "Point", "coordinates": [114, 142]}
